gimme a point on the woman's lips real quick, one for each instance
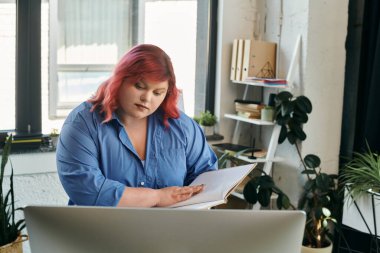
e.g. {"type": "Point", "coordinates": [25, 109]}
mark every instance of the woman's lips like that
{"type": "Point", "coordinates": [143, 107]}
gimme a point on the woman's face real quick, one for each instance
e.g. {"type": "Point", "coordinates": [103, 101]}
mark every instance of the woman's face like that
{"type": "Point", "coordinates": [139, 100]}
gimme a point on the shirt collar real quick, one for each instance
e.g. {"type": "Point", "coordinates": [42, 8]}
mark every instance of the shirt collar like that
{"type": "Point", "coordinates": [116, 118]}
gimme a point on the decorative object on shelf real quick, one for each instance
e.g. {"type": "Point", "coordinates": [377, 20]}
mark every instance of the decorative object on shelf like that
{"type": "Point", "coordinates": [267, 113]}
{"type": "Point", "coordinates": [320, 198]}
{"type": "Point", "coordinates": [207, 120]}
{"type": "Point", "coordinates": [10, 229]}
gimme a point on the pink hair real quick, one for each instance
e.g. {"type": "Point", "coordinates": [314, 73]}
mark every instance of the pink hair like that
{"type": "Point", "coordinates": [141, 62]}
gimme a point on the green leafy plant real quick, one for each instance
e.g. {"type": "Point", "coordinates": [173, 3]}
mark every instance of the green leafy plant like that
{"type": "Point", "coordinates": [9, 228]}
{"type": "Point", "coordinates": [320, 197]}
{"type": "Point", "coordinates": [54, 132]}
{"type": "Point", "coordinates": [362, 173]}
{"type": "Point", "coordinates": [231, 159]}
{"type": "Point", "coordinates": [197, 119]}
{"type": "Point", "coordinates": [207, 119]}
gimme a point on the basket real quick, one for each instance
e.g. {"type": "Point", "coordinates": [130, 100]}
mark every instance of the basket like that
{"type": "Point", "coordinates": [14, 247]}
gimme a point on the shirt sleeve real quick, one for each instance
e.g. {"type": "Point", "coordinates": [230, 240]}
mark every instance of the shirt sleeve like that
{"type": "Point", "coordinates": [78, 167]}
{"type": "Point", "coordinates": [199, 155]}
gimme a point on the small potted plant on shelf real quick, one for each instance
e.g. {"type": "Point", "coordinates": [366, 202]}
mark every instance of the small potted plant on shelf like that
{"type": "Point", "coordinates": [54, 134]}
{"type": "Point", "coordinates": [10, 229]}
{"type": "Point", "coordinates": [207, 120]}
{"type": "Point", "coordinates": [320, 197]}
{"type": "Point", "coordinates": [267, 113]}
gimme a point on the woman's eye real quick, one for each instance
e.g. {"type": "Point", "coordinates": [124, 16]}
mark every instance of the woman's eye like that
{"type": "Point", "coordinates": [157, 93]}
{"type": "Point", "coordinates": [138, 86]}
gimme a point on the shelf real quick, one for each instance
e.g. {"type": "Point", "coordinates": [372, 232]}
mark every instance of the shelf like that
{"type": "Point", "coordinates": [252, 121]}
{"type": "Point", "coordinates": [241, 196]}
{"type": "Point", "coordinates": [238, 195]}
{"type": "Point", "coordinates": [274, 86]}
{"type": "Point", "coordinates": [260, 160]}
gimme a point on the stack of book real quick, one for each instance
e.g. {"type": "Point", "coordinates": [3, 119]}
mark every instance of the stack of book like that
{"type": "Point", "coordinates": [248, 109]}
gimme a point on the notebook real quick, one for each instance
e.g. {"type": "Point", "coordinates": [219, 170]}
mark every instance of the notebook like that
{"type": "Point", "coordinates": [78, 229]}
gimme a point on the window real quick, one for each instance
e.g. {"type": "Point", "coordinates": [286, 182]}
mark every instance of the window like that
{"type": "Point", "coordinates": [7, 63]}
{"type": "Point", "coordinates": [82, 40]}
{"type": "Point", "coordinates": [87, 38]}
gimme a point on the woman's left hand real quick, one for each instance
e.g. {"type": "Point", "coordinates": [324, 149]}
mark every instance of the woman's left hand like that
{"type": "Point", "coordinates": [171, 195]}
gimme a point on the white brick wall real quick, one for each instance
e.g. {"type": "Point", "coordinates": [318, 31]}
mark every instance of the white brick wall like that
{"type": "Point", "coordinates": [35, 188]}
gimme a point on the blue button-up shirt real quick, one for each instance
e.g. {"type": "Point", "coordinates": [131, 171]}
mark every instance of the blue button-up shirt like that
{"type": "Point", "coordinates": [96, 161]}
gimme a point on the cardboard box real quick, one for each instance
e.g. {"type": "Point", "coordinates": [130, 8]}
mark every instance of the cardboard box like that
{"type": "Point", "coordinates": [259, 59]}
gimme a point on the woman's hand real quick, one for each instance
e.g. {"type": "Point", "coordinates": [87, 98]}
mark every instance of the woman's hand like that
{"type": "Point", "coordinates": [147, 197]}
{"type": "Point", "coordinates": [171, 195]}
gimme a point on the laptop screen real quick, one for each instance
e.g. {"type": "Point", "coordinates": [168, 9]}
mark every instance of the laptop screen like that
{"type": "Point", "coordinates": [159, 230]}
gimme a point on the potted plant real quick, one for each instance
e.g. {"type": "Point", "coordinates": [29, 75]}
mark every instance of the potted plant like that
{"type": "Point", "coordinates": [362, 173]}
{"type": "Point", "coordinates": [267, 113]}
{"type": "Point", "coordinates": [54, 134]}
{"type": "Point", "coordinates": [10, 229]}
{"type": "Point", "coordinates": [320, 196]}
{"type": "Point", "coordinates": [361, 178]}
{"type": "Point", "coordinates": [207, 120]}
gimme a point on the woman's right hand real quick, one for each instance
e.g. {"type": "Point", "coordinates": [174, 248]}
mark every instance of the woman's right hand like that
{"type": "Point", "coordinates": [171, 195]}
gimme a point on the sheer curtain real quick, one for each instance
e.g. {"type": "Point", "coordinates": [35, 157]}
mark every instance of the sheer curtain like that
{"type": "Point", "coordinates": [91, 36]}
{"type": "Point", "coordinates": [93, 31]}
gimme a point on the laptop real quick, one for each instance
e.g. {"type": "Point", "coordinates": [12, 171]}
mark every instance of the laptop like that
{"type": "Point", "coordinates": [75, 229]}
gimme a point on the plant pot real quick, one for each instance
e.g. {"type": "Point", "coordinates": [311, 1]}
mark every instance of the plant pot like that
{"type": "Point", "coordinates": [364, 213]}
{"type": "Point", "coordinates": [327, 249]}
{"type": "Point", "coordinates": [208, 130]}
{"type": "Point", "coordinates": [267, 114]}
{"type": "Point", "coordinates": [14, 247]}
{"type": "Point", "coordinates": [54, 141]}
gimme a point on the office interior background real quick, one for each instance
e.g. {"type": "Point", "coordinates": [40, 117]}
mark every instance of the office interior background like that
{"type": "Point", "coordinates": [82, 40]}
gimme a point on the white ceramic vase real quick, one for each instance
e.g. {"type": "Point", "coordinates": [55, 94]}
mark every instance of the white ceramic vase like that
{"type": "Point", "coordinates": [327, 249]}
{"type": "Point", "coordinates": [208, 130]}
{"type": "Point", "coordinates": [267, 114]}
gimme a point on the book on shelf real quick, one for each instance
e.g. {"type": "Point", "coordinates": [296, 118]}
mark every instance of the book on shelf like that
{"type": "Point", "coordinates": [252, 111]}
{"type": "Point", "coordinates": [246, 101]}
{"type": "Point", "coordinates": [269, 81]}
{"type": "Point", "coordinates": [248, 107]}
{"type": "Point", "coordinates": [239, 59]}
{"type": "Point", "coordinates": [249, 115]}
{"type": "Point", "coordinates": [218, 185]}
{"type": "Point", "coordinates": [234, 59]}
{"type": "Point", "coordinates": [259, 58]}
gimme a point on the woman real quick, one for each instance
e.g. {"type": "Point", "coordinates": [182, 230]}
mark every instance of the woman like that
{"type": "Point", "coordinates": [129, 145]}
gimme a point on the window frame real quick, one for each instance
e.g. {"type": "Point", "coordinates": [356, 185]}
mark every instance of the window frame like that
{"type": "Point", "coordinates": [209, 99]}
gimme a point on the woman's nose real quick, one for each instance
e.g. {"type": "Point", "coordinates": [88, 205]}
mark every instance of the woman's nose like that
{"type": "Point", "coordinates": [145, 97]}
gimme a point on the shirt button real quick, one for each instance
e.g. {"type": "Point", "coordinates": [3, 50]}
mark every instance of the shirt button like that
{"type": "Point", "coordinates": [142, 183]}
